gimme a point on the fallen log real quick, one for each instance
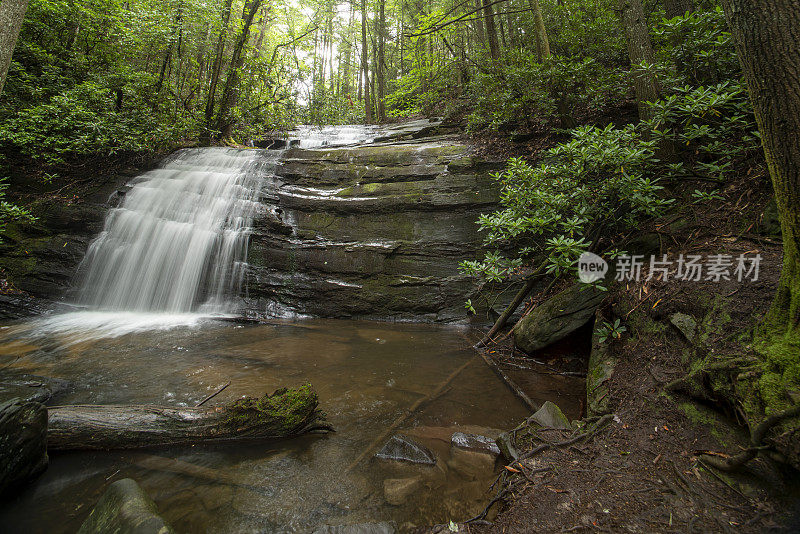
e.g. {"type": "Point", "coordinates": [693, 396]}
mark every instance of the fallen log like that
{"type": "Point", "coordinates": [287, 412]}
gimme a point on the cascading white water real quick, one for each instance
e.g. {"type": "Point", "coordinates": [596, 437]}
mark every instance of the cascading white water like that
{"type": "Point", "coordinates": [178, 241]}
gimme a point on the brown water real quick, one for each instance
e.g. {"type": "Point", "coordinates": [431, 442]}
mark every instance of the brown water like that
{"type": "Point", "coordinates": [366, 374]}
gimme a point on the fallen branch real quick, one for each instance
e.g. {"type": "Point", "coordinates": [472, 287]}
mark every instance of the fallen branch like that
{"type": "Point", "coordinates": [509, 382]}
{"type": "Point", "coordinates": [511, 308]}
{"type": "Point", "coordinates": [287, 412]}
{"type": "Point", "coordinates": [440, 389]}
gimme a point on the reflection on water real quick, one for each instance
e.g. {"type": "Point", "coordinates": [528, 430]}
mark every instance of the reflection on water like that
{"type": "Point", "coordinates": [366, 374]}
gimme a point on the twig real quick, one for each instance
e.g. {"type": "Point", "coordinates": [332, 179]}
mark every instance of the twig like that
{"type": "Point", "coordinates": [220, 390]}
{"type": "Point", "coordinates": [400, 420]}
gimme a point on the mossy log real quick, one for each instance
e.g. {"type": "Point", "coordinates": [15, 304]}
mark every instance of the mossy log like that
{"type": "Point", "coordinates": [287, 412]}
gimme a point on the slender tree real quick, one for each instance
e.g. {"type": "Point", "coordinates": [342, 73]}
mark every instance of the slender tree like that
{"type": "Point", "coordinates": [640, 50]}
{"type": "Point", "coordinates": [365, 63]}
{"type": "Point", "coordinates": [491, 31]}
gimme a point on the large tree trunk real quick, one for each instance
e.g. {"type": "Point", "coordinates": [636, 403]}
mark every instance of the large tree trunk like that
{"type": "Point", "coordinates": [640, 50]}
{"type": "Point", "coordinates": [491, 31]}
{"type": "Point", "coordinates": [12, 13]}
{"type": "Point", "coordinates": [677, 8]}
{"type": "Point", "coordinates": [101, 427]}
{"type": "Point", "coordinates": [767, 36]}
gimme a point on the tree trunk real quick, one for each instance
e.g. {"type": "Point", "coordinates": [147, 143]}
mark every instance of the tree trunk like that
{"type": "Point", "coordinates": [491, 31]}
{"type": "Point", "coordinates": [542, 42]}
{"type": "Point", "coordinates": [640, 50]}
{"type": "Point", "coordinates": [365, 64]}
{"type": "Point", "coordinates": [228, 100]}
{"type": "Point", "coordinates": [677, 8]}
{"type": "Point", "coordinates": [12, 13]}
{"type": "Point", "coordinates": [381, 72]}
{"type": "Point", "coordinates": [215, 72]}
{"type": "Point", "coordinates": [102, 427]}
{"type": "Point", "coordinates": [767, 36]}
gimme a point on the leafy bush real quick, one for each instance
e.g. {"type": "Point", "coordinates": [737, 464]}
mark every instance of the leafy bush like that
{"type": "Point", "coordinates": [598, 184]}
{"type": "Point", "coordinates": [524, 90]}
{"type": "Point", "coordinates": [697, 49]}
{"type": "Point", "coordinates": [710, 127]}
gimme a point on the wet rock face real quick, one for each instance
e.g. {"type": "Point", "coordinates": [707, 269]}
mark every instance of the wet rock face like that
{"type": "Point", "coordinates": [23, 442]}
{"type": "Point", "coordinates": [125, 509]}
{"type": "Point", "coordinates": [373, 231]}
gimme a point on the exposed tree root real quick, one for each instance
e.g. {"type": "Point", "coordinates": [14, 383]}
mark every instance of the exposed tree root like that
{"type": "Point", "coordinates": [733, 463]}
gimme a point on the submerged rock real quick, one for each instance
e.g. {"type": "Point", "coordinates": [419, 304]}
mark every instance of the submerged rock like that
{"type": "Point", "coordinates": [474, 442]}
{"type": "Point", "coordinates": [471, 464]}
{"type": "Point", "coordinates": [125, 509]}
{"type": "Point", "coordinates": [402, 449]}
{"type": "Point", "coordinates": [557, 318]}
{"type": "Point", "coordinates": [551, 416]}
{"type": "Point", "coordinates": [30, 387]}
{"type": "Point", "coordinates": [396, 491]}
{"type": "Point", "coordinates": [23, 442]}
{"type": "Point", "coordinates": [359, 528]}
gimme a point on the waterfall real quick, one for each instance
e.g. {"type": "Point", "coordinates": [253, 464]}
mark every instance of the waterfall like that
{"type": "Point", "coordinates": [178, 240]}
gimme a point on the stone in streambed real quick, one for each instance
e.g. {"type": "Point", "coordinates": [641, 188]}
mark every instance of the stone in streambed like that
{"type": "Point", "coordinates": [551, 416]}
{"type": "Point", "coordinates": [471, 465]}
{"type": "Point", "coordinates": [359, 528]}
{"type": "Point", "coordinates": [23, 442]}
{"type": "Point", "coordinates": [402, 449]}
{"type": "Point", "coordinates": [398, 490]}
{"type": "Point", "coordinates": [557, 318]}
{"type": "Point", "coordinates": [30, 387]}
{"type": "Point", "coordinates": [474, 442]}
{"type": "Point", "coordinates": [125, 509]}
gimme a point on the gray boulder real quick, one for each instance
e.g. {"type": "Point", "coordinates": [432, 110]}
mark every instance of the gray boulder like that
{"type": "Point", "coordinates": [403, 449]}
{"type": "Point", "coordinates": [557, 318]}
{"type": "Point", "coordinates": [23, 442]}
{"type": "Point", "coordinates": [551, 416]}
{"type": "Point", "coordinates": [125, 509]}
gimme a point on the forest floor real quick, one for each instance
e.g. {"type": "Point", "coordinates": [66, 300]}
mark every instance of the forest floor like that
{"type": "Point", "coordinates": [642, 471]}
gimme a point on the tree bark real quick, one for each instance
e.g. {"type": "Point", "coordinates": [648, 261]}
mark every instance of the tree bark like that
{"type": "Point", "coordinates": [640, 50]}
{"type": "Point", "coordinates": [381, 71]}
{"type": "Point", "coordinates": [677, 8]}
{"type": "Point", "coordinates": [542, 42]}
{"type": "Point", "coordinates": [491, 31]}
{"type": "Point", "coordinates": [365, 64]}
{"type": "Point", "coordinates": [767, 36]}
{"type": "Point", "coordinates": [103, 427]}
{"type": "Point", "coordinates": [228, 100]}
{"type": "Point", "coordinates": [12, 13]}
{"type": "Point", "coordinates": [215, 72]}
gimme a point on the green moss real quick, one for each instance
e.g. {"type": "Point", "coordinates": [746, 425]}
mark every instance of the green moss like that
{"type": "Point", "coordinates": [289, 409]}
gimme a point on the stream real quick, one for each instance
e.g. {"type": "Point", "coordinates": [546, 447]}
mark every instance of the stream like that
{"type": "Point", "coordinates": [154, 290]}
